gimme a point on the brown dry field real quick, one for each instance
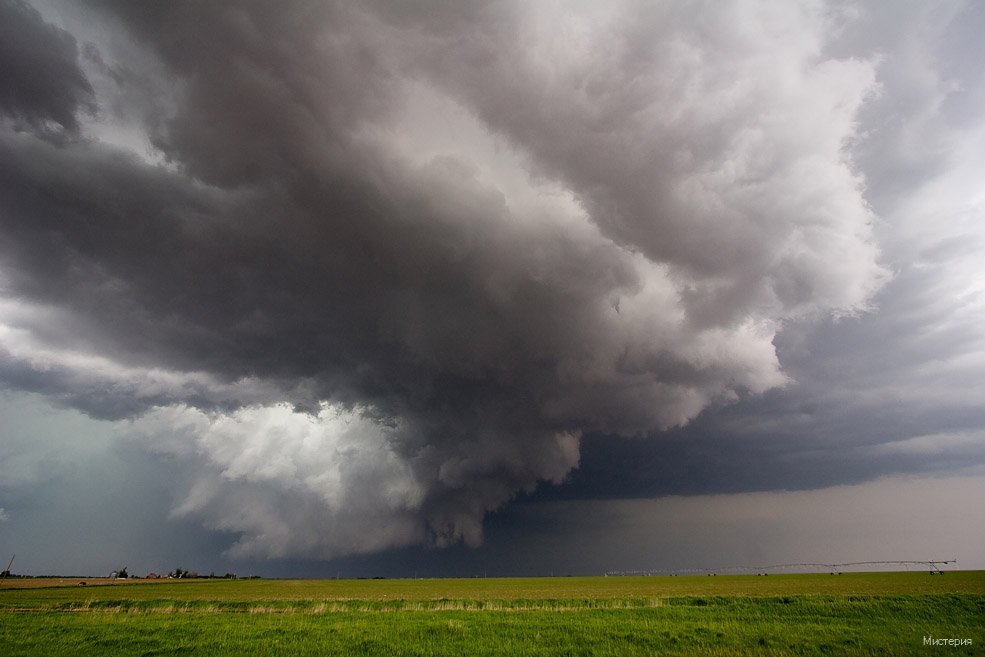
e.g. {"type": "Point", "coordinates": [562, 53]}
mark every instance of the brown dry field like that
{"type": "Point", "coordinates": [47, 582]}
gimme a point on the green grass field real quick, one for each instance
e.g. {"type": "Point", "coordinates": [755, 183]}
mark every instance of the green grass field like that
{"type": "Point", "coordinates": [850, 614]}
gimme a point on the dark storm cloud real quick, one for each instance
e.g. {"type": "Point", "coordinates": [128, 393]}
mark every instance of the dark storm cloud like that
{"type": "Point", "coordinates": [378, 268]}
{"type": "Point", "coordinates": [897, 392]}
{"type": "Point", "coordinates": [40, 80]}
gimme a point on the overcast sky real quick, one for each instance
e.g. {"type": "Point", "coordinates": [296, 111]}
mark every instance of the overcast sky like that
{"type": "Point", "coordinates": [450, 288]}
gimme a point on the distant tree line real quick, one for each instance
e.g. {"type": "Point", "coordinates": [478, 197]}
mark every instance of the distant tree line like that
{"type": "Point", "coordinates": [180, 573]}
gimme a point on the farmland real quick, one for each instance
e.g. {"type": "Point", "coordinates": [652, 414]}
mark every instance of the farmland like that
{"type": "Point", "coordinates": [851, 614]}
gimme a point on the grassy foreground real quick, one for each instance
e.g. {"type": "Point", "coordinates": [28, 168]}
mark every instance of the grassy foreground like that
{"type": "Point", "coordinates": [851, 614]}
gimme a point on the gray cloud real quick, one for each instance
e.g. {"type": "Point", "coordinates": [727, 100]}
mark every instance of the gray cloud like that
{"type": "Point", "coordinates": [369, 272]}
{"type": "Point", "coordinates": [42, 82]}
{"type": "Point", "coordinates": [895, 390]}
{"type": "Point", "coordinates": [679, 140]}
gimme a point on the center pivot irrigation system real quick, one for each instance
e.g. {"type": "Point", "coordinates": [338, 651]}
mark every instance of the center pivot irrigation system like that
{"type": "Point", "coordinates": [934, 566]}
{"type": "Point", "coordinates": [6, 571]}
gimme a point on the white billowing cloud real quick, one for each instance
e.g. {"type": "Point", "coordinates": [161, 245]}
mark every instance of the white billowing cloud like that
{"type": "Point", "coordinates": [291, 482]}
{"type": "Point", "coordinates": [331, 483]}
{"type": "Point", "coordinates": [712, 139]}
{"type": "Point", "coordinates": [324, 453]}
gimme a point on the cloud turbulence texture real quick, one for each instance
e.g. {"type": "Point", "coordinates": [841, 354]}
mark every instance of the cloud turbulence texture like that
{"type": "Point", "coordinates": [367, 271]}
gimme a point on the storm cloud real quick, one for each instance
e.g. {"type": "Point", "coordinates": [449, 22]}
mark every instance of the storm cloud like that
{"type": "Point", "coordinates": [365, 273]}
{"type": "Point", "coordinates": [42, 83]}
